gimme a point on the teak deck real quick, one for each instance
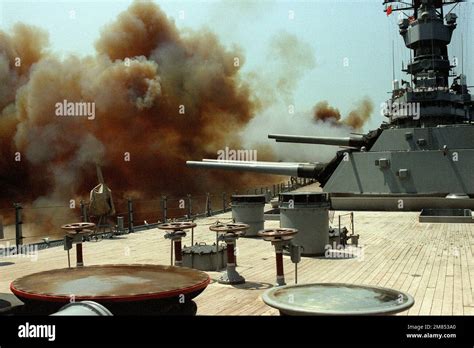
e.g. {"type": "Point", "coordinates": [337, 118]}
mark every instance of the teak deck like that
{"type": "Point", "coordinates": [432, 262]}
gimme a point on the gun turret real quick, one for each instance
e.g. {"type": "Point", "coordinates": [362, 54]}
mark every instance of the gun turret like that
{"type": "Point", "coordinates": [301, 170]}
{"type": "Point", "coordinates": [354, 141]}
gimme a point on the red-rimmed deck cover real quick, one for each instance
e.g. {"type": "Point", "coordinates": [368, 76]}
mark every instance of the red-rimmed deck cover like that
{"type": "Point", "coordinates": [111, 283]}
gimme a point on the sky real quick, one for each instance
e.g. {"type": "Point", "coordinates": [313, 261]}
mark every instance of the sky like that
{"type": "Point", "coordinates": [351, 39]}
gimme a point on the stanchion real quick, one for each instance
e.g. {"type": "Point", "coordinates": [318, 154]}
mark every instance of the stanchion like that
{"type": "Point", "coordinates": [229, 233]}
{"type": "Point", "coordinates": [279, 238]}
{"type": "Point", "coordinates": [175, 234]}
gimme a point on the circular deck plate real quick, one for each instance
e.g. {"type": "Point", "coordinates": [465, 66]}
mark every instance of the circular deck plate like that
{"type": "Point", "coordinates": [336, 299]}
{"type": "Point", "coordinates": [78, 226]}
{"type": "Point", "coordinates": [228, 228]}
{"type": "Point", "coordinates": [111, 283]}
{"type": "Point", "coordinates": [275, 234]}
{"type": "Point", "coordinates": [176, 226]}
{"type": "Point", "coordinates": [83, 233]}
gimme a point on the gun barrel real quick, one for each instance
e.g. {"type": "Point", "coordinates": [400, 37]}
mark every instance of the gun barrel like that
{"type": "Point", "coordinates": [243, 162]}
{"type": "Point", "coordinates": [302, 170]}
{"type": "Point", "coordinates": [303, 139]}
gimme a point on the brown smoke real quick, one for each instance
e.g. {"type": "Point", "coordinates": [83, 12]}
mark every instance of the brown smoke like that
{"type": "Point", "coordinates": [161, 97]}
{"type": "Point", "coordinates": [356, 119]}
{"type": "Point", "coordinates": [324, 112]}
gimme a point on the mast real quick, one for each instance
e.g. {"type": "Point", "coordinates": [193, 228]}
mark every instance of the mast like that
{"type": "Point", "coordinates": [427, 33]}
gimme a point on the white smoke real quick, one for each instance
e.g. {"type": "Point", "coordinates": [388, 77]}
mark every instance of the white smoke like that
{"type": "Point", "coordinates": [280, 121]}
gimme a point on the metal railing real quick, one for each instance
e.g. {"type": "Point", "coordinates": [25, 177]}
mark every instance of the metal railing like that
{"type": "Point", "coordinates": [137, 214]}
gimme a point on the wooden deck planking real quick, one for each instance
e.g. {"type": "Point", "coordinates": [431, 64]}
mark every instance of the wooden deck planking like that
{"type": "Point", "coordinates": [403, 281]}
{"type": "Point", "coordinates": [432, 262]}
{"type": "Point", "coordinates": [467, 285]}
{"type": "Point", "coordinates": [419, 287]}
{"type": "Point", "coordinates": [437, 304]}
{"type": "Point", "coordinates": [382, 269]}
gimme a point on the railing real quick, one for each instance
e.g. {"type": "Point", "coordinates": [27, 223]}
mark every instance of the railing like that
{"type": "Point", "coordinates": [19, 225]}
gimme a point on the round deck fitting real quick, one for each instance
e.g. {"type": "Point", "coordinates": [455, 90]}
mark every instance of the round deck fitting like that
{"type": "Point", "coordinates": [279, 237]}
{"type": "Point", "coordinates": [229, 234]}
{"type": "Point", "coordinates": [229, 228]}
{"type": "Point", "coordinates": [277, 234]}
{"type": "Point", "coordinates": [175, 234]}
{"type": "Point", "coordinates": [123, 289]}
{"type": "Point", "coordinates": [336, 299]}
{"type": "Point", "coordinates": [78, 230]}
{"type": "Point", "coordinates": [177, 226]}
{"type": "Point", "coordinates": [77, 227]}
{"type": "Point", "coordinates": [83, 233]}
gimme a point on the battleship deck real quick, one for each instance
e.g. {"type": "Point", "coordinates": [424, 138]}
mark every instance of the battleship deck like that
{"type": "Point", "coordinates": [432, 262]}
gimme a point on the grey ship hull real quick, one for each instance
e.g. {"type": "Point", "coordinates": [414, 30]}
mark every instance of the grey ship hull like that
{"type": "Point", "coordinates": [419, 166]}
{"type": "Point", "coordinates": [391, 202]}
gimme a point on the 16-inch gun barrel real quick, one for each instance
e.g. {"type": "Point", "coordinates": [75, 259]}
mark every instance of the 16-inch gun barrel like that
{"type": "Point", "coordinates": [354, 141]}
{"type": "Point", "coordinates": [266, 162]}
{"type": "Point", "coordinates": [301, 170]}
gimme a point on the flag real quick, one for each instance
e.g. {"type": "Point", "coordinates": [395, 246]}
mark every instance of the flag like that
{"type": "Point", "coordinates": [389, 10]}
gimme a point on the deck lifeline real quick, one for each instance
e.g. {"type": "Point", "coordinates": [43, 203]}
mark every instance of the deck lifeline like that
{"type": "Point", "coordinates": [432, 262]}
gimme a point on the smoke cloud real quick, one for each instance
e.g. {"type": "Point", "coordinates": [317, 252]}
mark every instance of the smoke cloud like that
{"type": "Point", "coordinates": [275, 120]}
{"type": "Point", "coordinates": [161, 97]}
{"type": "Point", "coordinates": [293, 57]}
{"type": "Point", "coordinates": [355, 119]}
{"type": "Point", "coordinates": [287, 60]}
{"type": "Point", "coordinates": [324, 120]}
{"type": "Point", "coordinates": [324, 112]}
